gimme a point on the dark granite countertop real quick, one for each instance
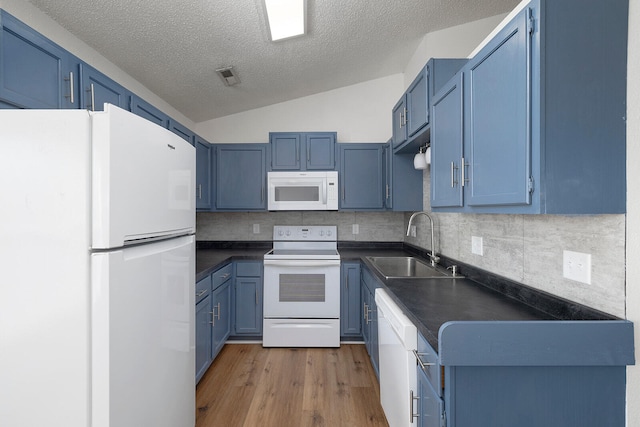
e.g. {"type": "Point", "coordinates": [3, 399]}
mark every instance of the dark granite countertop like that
{"type": "Point", "coordinates": [429, 303]}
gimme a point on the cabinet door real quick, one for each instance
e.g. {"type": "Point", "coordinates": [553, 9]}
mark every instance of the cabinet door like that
{"type": "Point", "coordinates": [203, 174]}
{"type": "Point", "coordinates": [182, 131]}
{"type": "Point", "coordinates": [248, 306]}
{"type": "Point", "coordinates": [320, 151]}
{"type": "Point", "coordinates": [418, 103]}
{"type": "Point", "coordinates": [221, 315]}
{"type": "Point", "coordinates": [430, 406]}
{"type": "Point", "coordinates": [203, 336]}
{"type": "Point", "coordinates": [498, 132]}
{"type": "Point", "coordinates": [240, 177]}
{"type": "Point", "coordinates": [447, 145]}
{"type": "Point", "coordinates": [399, 122]}
{"type": "Point", "coordinates": [285, 151]}
{"type": "Point", "coordinates": [350, 300]}
{"type": "Point", "coordinates": [362, 176]}
{"type": "Point", "coordinates": [34, 72]}
{"type": "Point", "coordinates": [148, 111]}
{"type": "Point", "coordinates": [96, 89]}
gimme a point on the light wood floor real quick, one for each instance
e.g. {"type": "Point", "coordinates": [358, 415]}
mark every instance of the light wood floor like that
{"type": "Point", "coordinates": [248, 385]}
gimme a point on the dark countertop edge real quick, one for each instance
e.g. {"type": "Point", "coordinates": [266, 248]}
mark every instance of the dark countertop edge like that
{"type": "Point", "coordinates": [552, 305]}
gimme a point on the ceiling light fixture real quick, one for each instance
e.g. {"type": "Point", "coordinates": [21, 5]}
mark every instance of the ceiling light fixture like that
{"type": "Point", "coordinates": [287, 18]}
{"type": "Point", "coordinates": [228, 76]}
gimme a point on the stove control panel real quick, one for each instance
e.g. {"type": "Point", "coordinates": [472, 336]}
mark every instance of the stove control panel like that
{"type": "Point", "coordinates": [305, 232]}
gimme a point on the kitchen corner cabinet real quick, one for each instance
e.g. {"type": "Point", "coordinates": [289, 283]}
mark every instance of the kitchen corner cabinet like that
{"type": "Point", "coordinates": [34, 71]}
{"type": "Point", "coordinates": [240, 175]}
{"type": "Point", "coordinates": [362, 176]}
{"type": "Point", "coordinates": [247, 298]}
{"type": "Point", "coordinates": [370, 317]}
{"type": "Point", "coordinates": [350, 300]}
{"type": "Point", "coordinates": [543, 116]}
{"type": "Point", "coordinates": [410, 115]}
{"type": "Point", "coordinates": [303, 151]}
{"type": "Point", "coordinates": [203, 174]}
{"type": "Point", "coordinates": [96, 89]}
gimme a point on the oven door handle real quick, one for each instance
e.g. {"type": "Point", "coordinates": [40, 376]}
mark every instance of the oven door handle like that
{"type": "Point", "coordinates": [302, 263]}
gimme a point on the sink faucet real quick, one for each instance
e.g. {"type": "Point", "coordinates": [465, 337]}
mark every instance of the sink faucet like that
{"type": "Point", "coordinates": [434, 258]}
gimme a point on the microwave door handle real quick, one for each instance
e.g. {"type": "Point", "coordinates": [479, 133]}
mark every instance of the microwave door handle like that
{"type": "Point", "coordinates": [324, 191]}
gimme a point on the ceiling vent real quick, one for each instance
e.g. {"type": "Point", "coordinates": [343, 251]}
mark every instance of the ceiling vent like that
{"type": "Point", "coordinates": [228, 76]}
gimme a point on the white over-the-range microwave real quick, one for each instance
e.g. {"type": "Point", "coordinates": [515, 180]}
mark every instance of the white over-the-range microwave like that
{"type": "Point", "coordinates": [302, 191]}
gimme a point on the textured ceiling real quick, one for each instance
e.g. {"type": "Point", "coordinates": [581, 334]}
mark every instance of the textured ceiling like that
{"type": "Point", "coordinates": [174, 46]}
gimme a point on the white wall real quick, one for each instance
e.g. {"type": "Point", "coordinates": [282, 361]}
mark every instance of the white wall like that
{"type": "Point", "coordinates": [40, 22]}
{"type": "Point", "coordinates": [359, 113]}
{"type": "Point", "coordinates": [633, 207]}
{"type": "Point", "coordinates": [453, 42]}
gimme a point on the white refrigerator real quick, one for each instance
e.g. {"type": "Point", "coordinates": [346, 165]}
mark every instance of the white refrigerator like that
{"type": "Point", "coordinates": [97, 271]}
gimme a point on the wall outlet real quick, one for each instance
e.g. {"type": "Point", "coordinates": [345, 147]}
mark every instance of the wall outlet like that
{"type": "Point", "coordinates": [412, 231]}
{"type": "Point", "coordinates": [476, 245]}
{"type": "Point", "coordinates": [576, 266]}
{"type": "Point", "coordinates": [256, 228]}
{"type": "Point", "coordinates": [355, 229]}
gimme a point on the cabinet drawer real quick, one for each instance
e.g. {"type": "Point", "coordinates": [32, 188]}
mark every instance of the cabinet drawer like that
{"type": "Point", "coordinates": [203, 288]}
{"type": "Point", "coordinates": [249, 269]}
{"type": "Point", "coordinates": [222, 275]}
{"type": "Point", "coordinates": [428, 363]}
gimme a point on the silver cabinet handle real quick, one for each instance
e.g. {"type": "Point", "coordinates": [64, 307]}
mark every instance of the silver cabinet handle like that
{"type": "Point", "coordinates": [199, 294]}
{"type": "Point", "coordinates": [463, 177]}
{"type": "Point", "coordinates": [218, 315]}
{"type": "Point", "coordinates": [365, 312]}
{"type": "Point", "coordinates": [423, 365]}
{"type": "Point", "coordinates": [199, 191]}
{"type": "Point", "coordinates": [93, 98]}
{"type": "Point", "coordinates": [454, 168]}
{"type": "Point", "coordinates": [406, 120]}
{"type": "Point", "coordinates": [213, 317]}
{"type": "Point", "coordinates": [71, 92]}
{"type": "Point", "coordinates": [412, 415]}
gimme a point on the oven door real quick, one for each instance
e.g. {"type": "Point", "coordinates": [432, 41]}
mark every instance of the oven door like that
{"type": "Point", "coordinates": [301, 288]}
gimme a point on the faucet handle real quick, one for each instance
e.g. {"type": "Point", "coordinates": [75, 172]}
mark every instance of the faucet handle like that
{"type": "Point", "coordinates": [454, 270]}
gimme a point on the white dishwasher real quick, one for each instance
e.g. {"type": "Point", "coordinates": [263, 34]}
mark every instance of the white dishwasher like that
{"type": "Point", "coordinates": [397, 339]}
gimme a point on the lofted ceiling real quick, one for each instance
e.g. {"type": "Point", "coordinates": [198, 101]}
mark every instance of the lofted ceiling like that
{"type": "Point", "coordinates": [173, 47]}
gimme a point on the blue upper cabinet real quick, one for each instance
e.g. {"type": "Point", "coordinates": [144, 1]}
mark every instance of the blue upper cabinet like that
{"type": "Point", "coordinates": [362, 176]}
{"type": "Point", "coordinates": [410, 115]}
{"type": "Point", "coordinates": [417, 99]}
{"type": "Point", "coordinates": [303, 151]}
{"type": "Point", "coordinates": [149, 112]}
{"type": "Point", "coordinates": [34, 71]}
{"type": "Point", "coordinates": [498, 118]}
{"type": "Point", "coordinates": [403, 183]}
{"type": "Point", "coordinates": [446, 145]}
{"type": "Point", "coordinates": [182, 131]}
{"type": "Point", "coordinates": [240, 175]}
{"type": "Point", "coordinates": [203, 174]}
{"type": "Point", "coordinates": [96, 89]}
{"type": "Point", "coordinates": [543, 114]}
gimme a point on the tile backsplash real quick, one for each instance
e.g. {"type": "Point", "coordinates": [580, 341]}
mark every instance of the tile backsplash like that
{"type": "Point", "coordinates": [372, 226]}
{"type": "Point", "coordinates": [529, 249]}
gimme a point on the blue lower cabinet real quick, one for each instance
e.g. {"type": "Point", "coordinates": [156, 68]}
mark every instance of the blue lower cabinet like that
{"type": "Point", "coordinates": [430, 407]}
{"type": "Point", "coordinates": [203, 336]}
{"type": "Point", "coordinates": [247, 299]}
{"type": "Point", "coordinates": [370, 318]}
{"type": "Point", "coordinates": [350, 300]}
{"type": "Point", "coordinates": [221, 317]}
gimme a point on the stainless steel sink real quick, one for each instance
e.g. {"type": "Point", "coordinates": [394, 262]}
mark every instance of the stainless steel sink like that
{"type": "Point", "coordinates": [406, 267]}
